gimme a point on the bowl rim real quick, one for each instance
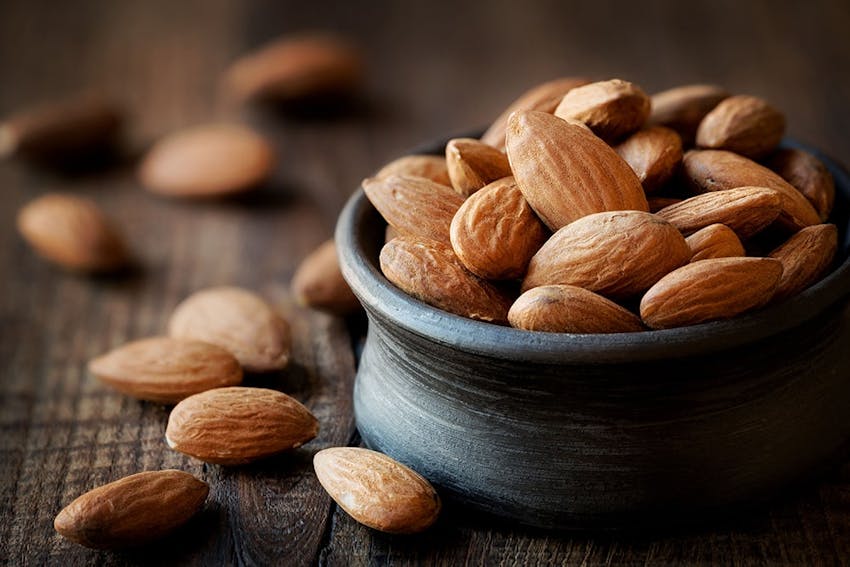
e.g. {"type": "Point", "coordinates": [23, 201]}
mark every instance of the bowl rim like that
{"type": "Point", "coordinates": [380, 297]}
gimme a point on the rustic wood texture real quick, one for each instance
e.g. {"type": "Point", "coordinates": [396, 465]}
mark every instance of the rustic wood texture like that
{"type": "Point", "coordinates": [433, 68]}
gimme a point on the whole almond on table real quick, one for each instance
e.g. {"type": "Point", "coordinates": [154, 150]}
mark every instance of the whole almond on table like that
{"type": "Point", "coordinates": [710, 290]}
{"type": "Point", "coordinates": [473, 164]}
{"type": "Point", "coordinates": [612, 109]}
{"type": "Point", "coordinates": [714, 241]}
{"type": "Point", "coordinates": [376, 490]}
{"type": "Point", "coordinates": [237, 320]}
{"type": "Point", "coordinates": [805, 258]}
{"type": "Point", "coordinates": [238, 425]}
{"type": "Point", "coordinates": [166, 370]}
{"type": "Point", "coordinates": [654, 154]}
{"type": "Point", "coordinates": [72, 232]}
{"type": "Point", "coordinates": [746, 125]}
{"type": "Point", "coordinates": [429, 167]}
{"type": "Point", "coordinates": [616, 254]}
{"type": "Point", "coordinates": [570, 309]}
{"type": "Point", "coordinates": [414, 205]}
{"type": "Point", "coordinates": [318, 282]}
{"type": "Point", "coordinates": [808, 175]}
{"type": "Point", "coordinates": [746, 210]}
{"type": "Point", "coordinates": [431, 272]}
{"type": "Point", "coordinates": [683, 108]}
{"type": "Point", "coordinates": [207, 161]}
{"type": "Point", "coordinates": [718, 170]}
{"type": "Point", "coordinates": [132, 511]}
{"type": "Point", "coordinates": [565, 172]}
{"type": "Point", "coordinates": [495, 233]}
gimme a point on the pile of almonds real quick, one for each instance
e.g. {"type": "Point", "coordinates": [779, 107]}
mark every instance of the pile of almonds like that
{"type": "Point", "coordinates": [590, 207]}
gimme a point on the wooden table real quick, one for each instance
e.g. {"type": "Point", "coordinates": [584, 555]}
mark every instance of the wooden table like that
{"type": "Point", "coordinates": [433, 68]}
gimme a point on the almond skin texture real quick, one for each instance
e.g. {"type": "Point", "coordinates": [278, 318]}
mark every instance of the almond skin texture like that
{"type": "Point", "coordinates": [683, 108]}
{"type": "Point", "coordinates": [377, 491]}
{"type": "Point", "coordinates": [473, 164]}
{"type": "Point", "coordinates": [429, 167]}
{"type": "Point", "coordinates": [166, 370]}
{"type": "Point", "coordinates": [570, 309]}
{"type": "Point", "coordinates": [207, 161]}
{"type": "Point", "coordinates": [808, 175]}
{"type": "Point", "coordinates": [430, 272]}
{"type": "Point", "coordinates": [565, 172]}
{"type": "Point", "coordinates": [616, 254]}
{"type": "Point", "coordinates": [714, 241]}
{"type": "Point", "coordinates": [318, 283]}
{"type": "Point", "coordinates": [414, 205]}
{"type": "Point", "coordinates": [746, 210]}
{"type": "Point", "coordinates": [746, 125]}
{"type": "Point", "coordinates": [612, 109]}
{"type": "Point", "coordinates": [544, 97]}
{"type": "Point", "coordinates": [495, 233]}
{"type": "Point", "coordinates": [710, 290]}
{"type": "Point", "coordinates": [805, 258]}
{"type": "Point", "coordinates": [237, 320]}
{"type": "Point", "coordinates": [718, 170]}
{"type": "Point", "coordinates": [654, 154]}
{"type": "Point", "coordinates": [132, 511]}
{"type": "Point", "coordinates": [72, 232]}
{"type": "Point", "coordinates": [234, 426]}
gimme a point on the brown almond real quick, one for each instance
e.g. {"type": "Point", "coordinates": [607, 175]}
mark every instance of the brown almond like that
{"type": "Point", "coordinates": [544, 97]}
{"type": "Point", "coordinates": [746, 125]}
{"type": "Point", "coordinates": [234, 426]}
{"type": "Point", "coordinates": [72, 232]}
{"type": "Point", "coordinates": [207, 161]}
{"type": "Point", "coordinates": [718, 170]}
{"type": "Point", "coordinates": [714, 241]}
{"type": "Point", "coordinates": [805, 258]}
{"type": "Point", "coordinates": [430, 272]}
{"type": "Point", "coordinates": [658, 203]}
{"type": "Point", "coordinates": [570, 309]}
{"type": "Point", "coordinates": [166, 370]}
{"type": "Point", "coordinates": [237, 320]}
{"type": "Point", "coordinates": [132, 511]}
{"type": "Point", "coordinates": [473, 164]}
{"type": "Point", "coordinates": [429, 167]}
{"type": "Point", "coordinates": [683, 108]}
{"type": "Point", "coordinates": [377, 491]}
{"type": "Point", "coordinates": [654, 154]}
{"type": "Point", "coordinates": [616, 254]}
{"type": "Point", "coordinates": [318, 282]}
{"type": "Point", "coordinates": [746, 210]}
{"type": "Point", "coordinates": [565, 172]}
{"type": "Point", "coordinates": [808, 175]}
{"type": "Point", "coordinates": [495, 233]}
{"type": "Point", "coordinates": [414, 205]}
{"type": "Point", "coordinates": [612, 109]}
{"type": "Point", "coordinates": [710, 290]}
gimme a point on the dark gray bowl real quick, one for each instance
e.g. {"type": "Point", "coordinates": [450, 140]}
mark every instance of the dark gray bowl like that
{"type": "Point", "coordinates": [562, 430]}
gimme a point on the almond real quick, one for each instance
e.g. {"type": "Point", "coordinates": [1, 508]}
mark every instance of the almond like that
{"type": "Point", "coordinates": [683, 108]}
{"type": "Point", "coordinates": [234, 426]}
{"type": "Point", "coordinates": [390, 232]}
{"type": "Point", "coordinates": [616, 254]}
{"type": "Point", "coordinates": [429, 167]}
{"type": "Point", "coordinates": [473, 164]}
{"type": "Point", "coordinates": [430, 272]}
{"type": "Point", "coordinates": [717, 170]}
{"type": "Point", "coordinates": [495, 233]}
{"type": "Point", "coordinates": [72, 232]}
{"type": "Point", "coordinates": [654, 154]}
{"type": "Point", "coordinates": [544, 97]}
{"type": "Point", "coordinates": [414, 205]}
{"type": "Point", "coordinates": [808, 175]}
{"type": "Point", "coordinates": [805, 258]}
{"type": "Point", "coordinates": [658, 203]}
{"type": "Point", "coordinates": [746, 125]}
{"type": "Point", "coordinates": [166, 370]}
{"type": "Point", "coordinates": [377, 491]}
{"type": "Point", "coordinates": [570, 309]}
{"type": "Point", "coordinates": [714, 241]}
{"type": "Point", "coordinates": [746, 210]}
{"type": "Point", "coordinates": [612, 109]}
{"type": "Point", "coordinates": [132, 511]}
{"type": "Point", "coordinates": [207, 161]}
{"type": "Point", "coordinates": [237, 320]}
{"type": "Point", "coordinates": [565, 172]}
{"type": "Point", "coordinates": [318, 282]}
{"type": "Point", "coordinates": [710, 290]}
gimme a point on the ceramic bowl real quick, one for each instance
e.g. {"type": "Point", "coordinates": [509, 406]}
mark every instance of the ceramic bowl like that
{"type": "Point", "coordinates": [566, 430]}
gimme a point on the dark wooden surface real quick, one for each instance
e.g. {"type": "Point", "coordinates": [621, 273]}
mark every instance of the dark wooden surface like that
{"type": "Point", "coordinates": [433, 68]}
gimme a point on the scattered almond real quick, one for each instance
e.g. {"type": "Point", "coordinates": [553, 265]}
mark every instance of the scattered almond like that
{"type": "Point", "coordinates": [318, 282]}
{"type": "Point", "coordinates": [473, 164]}
{"type": "Point", "coordinates": [429, 167]}
{"type": "Point", "coordinates": [683, 108]}
{"type": "Point", "coordinates": [654, 154]}
{"type": "Point", "coordinates": [612, 109]}
{"type": "Point", "coordinates": [808, 175]}
{"type": "Point", "coordinates": [570, 309]}
{"type": "Point", "coordinates": [805, 258]}
{"type": "Point", "coordinates": [746, 125]}
{"type": "Point", "coordinates": [746, 210]}
{"type": "Point", "coordinates": [714, 241]}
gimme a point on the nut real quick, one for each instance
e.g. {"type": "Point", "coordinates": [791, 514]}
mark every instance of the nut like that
{"type": "Point", "coordinates": [318, 282]}
{"type": "Point", "coordinates": [746, 125]}
{"type": "Point", "coordinates": [612, 109]}
{"type": "Point", "coordinates": [570, 309]}
{"type": "Point", "coordinates": [805, 257]}
{"type": "Point", "coordinates": [746, 210]}
{"type": "Point", "coordinates": [429, 167]}
{"type": "Point", "coordinates": [714, 241]}
{"type": "Point", "coordinates": [683, 108]}
{"type": "Point", "coordinates": [473, 164]}
{"type": "Point", "coordinates": [654, 154]}
{"type": "Point", "coordinates": [808, 175]}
